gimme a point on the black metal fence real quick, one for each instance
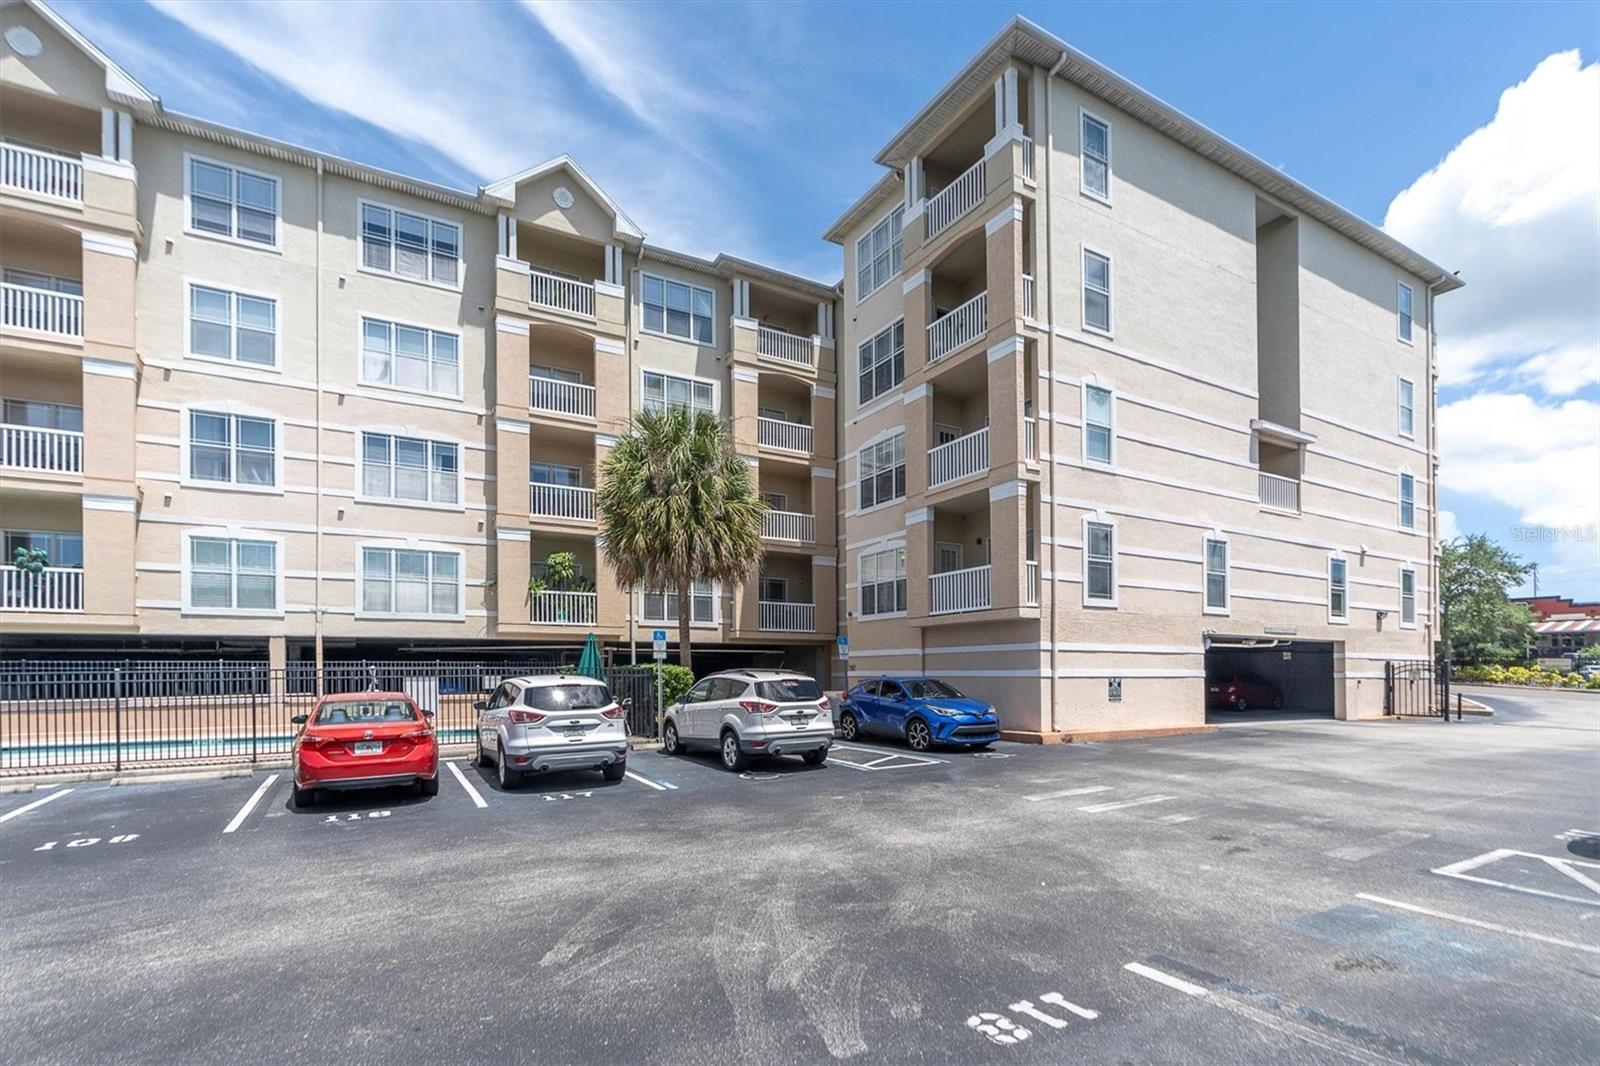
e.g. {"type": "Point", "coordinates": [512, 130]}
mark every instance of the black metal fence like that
{"type": "Point", "coordinates": [1417, 689]}
{"type": "Point", "coordinates": [95, 715]}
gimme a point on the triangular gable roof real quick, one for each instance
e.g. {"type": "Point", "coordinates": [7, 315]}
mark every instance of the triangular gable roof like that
{"type": "Point", "coordinates": [505, 191]}
{"type": "Point", "coordinates": [120, 85]}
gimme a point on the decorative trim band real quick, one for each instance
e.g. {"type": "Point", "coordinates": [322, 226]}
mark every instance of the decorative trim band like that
{"type": "Point", "coordinates": [108, 503]}
{"type": "Point", "coordinates": [506, 425]}
{"type": "Point", "coordinates": [108, 368]}
{"type": "Point", "coordinates": [107, 244]}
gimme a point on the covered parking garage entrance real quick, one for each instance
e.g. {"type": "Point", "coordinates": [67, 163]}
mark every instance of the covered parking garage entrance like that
{"type": "Point", "coordinates": [1268, 677]}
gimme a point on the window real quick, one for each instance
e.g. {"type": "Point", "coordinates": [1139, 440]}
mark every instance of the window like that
{"type": "Point", "coordinates": [1338, 590]}
{"type": "Point", "coordinates": [775, 589]}
{"type": "Point", "coordinates": [778, 501]}
{"type": "Point", "coordinates": [41, 415]}
{"type": "Point", "coordinates": [664, 391]}
{"type": "Point", "coordinates": [233, 575]}
{"type": "Point", "coordinates": [883, 471]}
{"type": "Point", "coordinates": [233, 203]}
{"type": "Point", "coordinates": [1096, 157]}
{"type": "Point", "coordinates": [1408, 597]}
{"type": "Point", "coordinates": [407, 582]}
{"type": "Point", "coordinates": [233, 326]}
{"type": "Point", "coordinates": [410, 246]}
{"type": "Point", "coordinates": [1408, 415]}
{"type": "Point", "coordinates": [555, 373]}
{"type": "Point", "coordinates": [948, 556]}
{"type": "Point", "coordinates": [404, 468]}
{"type": "Point", "coordinates": [883, 582]}
{"type": "Point", "coordinates": [409, 357]}
{"type": "Point", "coordinates": [679, 310]}
{"type": "Point", "coordinates": [1216, 564]}
{"type": "Point", "coordinates": [34, 279]}
{"type": "Point", "coordinates": [883, 362]}
{"type": "Point", "coordinates": [878, 254]}
{"type": "Point", "coordinates": [1408, 501]}
{"type": "Point", "coordinates": [1096, 292]}
{"type": "Point", "coordinates": [555, 474]}
{"type": "Point", "coordinates": [1402, 301]}
{"type": "Point", "coordinates": [1099, 563]}
{"type": "Point", "coordinates": [232, 449]}
{"type": "Point", "coordinates": [61, 549]}
{"type": "Point", "coordinates": [663, 606]}
{"type": "Point", "coordinates": [1097, 434]}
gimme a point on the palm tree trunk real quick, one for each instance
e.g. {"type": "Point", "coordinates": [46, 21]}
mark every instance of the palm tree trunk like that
{"type": "Point", "coordinates": [685, 611]}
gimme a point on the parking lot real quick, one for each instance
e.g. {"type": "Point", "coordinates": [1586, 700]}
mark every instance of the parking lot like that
{"type": "Point", "coordinates": [1299, 891]}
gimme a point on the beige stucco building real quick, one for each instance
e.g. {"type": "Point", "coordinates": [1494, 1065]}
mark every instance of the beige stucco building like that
{"type": "Point", "coordinates": [1103, 402]}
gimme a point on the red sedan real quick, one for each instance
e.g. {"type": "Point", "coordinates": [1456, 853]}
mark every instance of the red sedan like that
{"type": "Point", "coordinates": [364, 740]}
{"type": "Point", "coordinates": [1240, 692]}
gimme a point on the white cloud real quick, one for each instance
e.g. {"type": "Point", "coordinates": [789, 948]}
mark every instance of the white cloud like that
{"type": "Point", "coordinates": [1541, 460]}
{"type": "Point", "coordinates": [1449, 528]}
{"type": "Point", "coordinates": [1516, 208]}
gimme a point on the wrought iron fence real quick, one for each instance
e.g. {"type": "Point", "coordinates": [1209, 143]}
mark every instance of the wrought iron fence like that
{"type": "Point", "coordinates": [1417, 689]}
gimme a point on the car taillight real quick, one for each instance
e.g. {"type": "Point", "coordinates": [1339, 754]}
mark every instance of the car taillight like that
{"type": "Point", "coordinates": [823, 704]}
{"type": "Point", "coordinates": [310, 740]}
{"type": "Point", "coordinates": [525, 717]}
{"type": "Point", "coordinates": [416, 734]}
{"type": "Point", "coordinates": [612, 712]}
{"type": "Point", "coordinates": [757, 706]}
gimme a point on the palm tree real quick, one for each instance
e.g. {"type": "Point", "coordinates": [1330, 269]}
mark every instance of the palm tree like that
{"type": "Point", "coordinates": [676, 506]}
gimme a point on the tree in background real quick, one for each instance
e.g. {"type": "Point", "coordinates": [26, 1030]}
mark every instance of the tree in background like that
{"type": "Point", "coordinates": [1478, 622]}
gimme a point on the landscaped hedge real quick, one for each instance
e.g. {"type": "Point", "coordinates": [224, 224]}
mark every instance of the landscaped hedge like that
{"type": "Point", "coordinates": [1523, 675]}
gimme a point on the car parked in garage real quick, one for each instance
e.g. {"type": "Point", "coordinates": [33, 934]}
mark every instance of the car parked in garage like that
{"type": "Point", "coordinates": [1242, 692]}
{"type": "Point", "coordinates": [746, 713]}
{"type": "Point", "coordinates": [364, 740]}
{"type": "Point", "coordinates": [923, 710]}
{"type": "Point", "coordinates": [532, 725]}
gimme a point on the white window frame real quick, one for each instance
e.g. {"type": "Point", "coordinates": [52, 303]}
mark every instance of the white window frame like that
{"type": "Point", "coordinates": [232, 358]}
{"type": "Point", "coordinates": [1411, 622]}
{"type": "Point", "coordinates": [939, 548]}
{"type": "Point", "coordinates": [778, 501]}
{"type": "Point", "coordinates": [716, 606]}
{"type": "Point", "coordinates": [1406, 411]}
{"type": "Point", "coordinates": [232, 535]}
{"type": "Point", "coordinates": [1206, 606]}
{"type": "Point", "coordinates": [391, 500]}
{"type": "Point", "coordinates": [1086, 116]}
{"type": "Point", "coordinates": [1405, 322]}
{"type": "Point", "coordinates": [232, 412]}
{"type": "Point", "coordinates": [1085, 251]}
{"type": "Point", "coordinates": [716, 398]}
{"type": "Point", "coordinates": [895, 218]}
{"type": "Point", "coordinates": [52, 536]}
{"type": "Point", "coordinates": [362, 203]}
{"type": "Point", "coordinates": [1111, 427]}
{"type": "Point", "coordinates": [433, 334]}
{"type": "Point", "coordinates": [1110, 523]}
{"type": "Point", "coordinates": [870, 345]}
{"type": "Point", "coordinates": [361, 610]}
{"type": "Point", "coordinates": [693, 288]}
{"type": "Point", "coordinates": [765, 581]}
{"type": "Point", "coordinates": [231, 237]}
{"type": "Point", "coordinates": [1402, 480]}
{"type": "Point", "coordinates": [884, 440]}
{"type": "Point", "coordinates": [897, 561]}
{"type": "Point", "coordinates": [578, 483]}
{"type": "Point", "coordinates": [1339, 619]}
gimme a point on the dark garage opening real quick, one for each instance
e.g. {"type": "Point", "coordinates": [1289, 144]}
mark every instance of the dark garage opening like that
{"type": "Point", "coordinates": [1275, 678]}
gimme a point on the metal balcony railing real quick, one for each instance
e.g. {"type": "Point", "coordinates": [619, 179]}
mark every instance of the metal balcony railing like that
{"type": "Point", "coordinates": [561, 294]}
{"type": "Point", "coordinates": [789, 525]}
{"type": "Point", "coordinates": [956, 199]}
{"type": "Point", "coordinates": [1279, 493]}
{"type": "Point", "coordinates": [59, 314]}
{"type": "Point", "coordinates": [780, 617]}
{"type": "Point", "coordinates": [45, 173]}
{"type": "Point", "coordinates": [561, 397]}
{"type": "Point", "coordinates": [789, 436]}
{"type": "Point", "coordinates": [58, 589]}
{"type": "Point", "coordinates": [959, 590]}
{"type": "Point", "coordinates": [564, 608]}
{"type": "Point", "coordinates": [1030, 296]}
{"type": "Point", "coordinates": [959, 458]}
{"type": "Point", "coordinates": [784, 347]}
{"type": "Point", "coordinates": [962, 326]}
{"type": "Point", "coordinates": [1030, 438]}
{"type": "Point", "coordinates": [561, 501]}
{"type": "Point", "coordinates": [1033, 583]}
{"type": "Point", "coordinates": [53, 451]}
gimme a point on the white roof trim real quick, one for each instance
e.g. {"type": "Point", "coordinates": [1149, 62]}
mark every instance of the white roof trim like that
{"type": "Point", "coordinates": [120, 85]}
{"type": "Point", "coordinates": [505, 191]}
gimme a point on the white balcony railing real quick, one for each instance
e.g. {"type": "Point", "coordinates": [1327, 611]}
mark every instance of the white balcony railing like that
{"type": "Point", "coordinates": [1030, 438]}
{"type": "Point", "coordinates": [959, 590]}
{"type": "Point", "coordinates": [45, 173]}
{"type": "Point", "coordinates": [790, 436]}
{"type": "Point", "coordinates": [789, 525]}
{"type": "Point", "coordinates": [561, 294]}
{"type": "Point", "coordinates": [785, 347]}
{"type": "Point", "coordinates": [1279, 493]}
{"type": "Point", "coordinates": [564, 608]}
{"type": "Point", "coordinates": [1027, 157]}
{"type": "Point", "coordinates": [1030, 296]}
{"type": "Point", "coordinates": [962, 326]}
{"type": "Point", "coordinates": [959, 458]}
{"type": "Point", "coordinates": [41, 310]}
{"type": "Point", "coordinates": [57, 589]}
{"type": "Point", "coordinates": [956, 199]}
{"type": "Point", "coordinates": [1033, 583]}
{"type": "Point", "coordinates": [561, 397]}
{"type": "Point", "coordinates": [54, 451]}
{"type": "Point", "coordinates": [561, 501]}
{"type": "Point", "coordinates": [779, 617]}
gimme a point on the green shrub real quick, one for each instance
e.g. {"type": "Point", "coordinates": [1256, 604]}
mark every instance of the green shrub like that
{"type": "Point", "coordinates": [1523, 675]}
{"type": "Point", "coordinates": [675, 680]}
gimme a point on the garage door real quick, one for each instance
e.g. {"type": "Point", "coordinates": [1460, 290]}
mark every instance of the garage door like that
{"type": "Point", "coordinates": [1288, 677]}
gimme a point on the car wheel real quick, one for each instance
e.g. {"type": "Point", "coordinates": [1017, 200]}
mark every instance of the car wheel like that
{"type": "Point", "coordinates": [305, 797]}
{"type": "Point", "coordinates": [1277, 703]}
{"type": "Point", "coordinates": [670, 745]}
{"type": "Point", "coordinates": [428, 786]}
{"type": "Point", "coordinates": [1240, 704]}
{"type": "Point", "coordinates": [848, 726]}
{"type": "Point", "coordinates": [508, 778]}
{"type": "Point", "coordinates": [918, 735]}
{"type": "Point", "coordinates": [615, 771]}
{"type": "Point", "coordinates": [815, 758]}
{"type": "Point", "coordinates": [483, 756]}
{"type": "Point", "coordinates": [733, 757]}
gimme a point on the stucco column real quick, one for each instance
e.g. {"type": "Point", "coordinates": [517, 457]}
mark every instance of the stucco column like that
{"type": "Point", "coordinates": [919, 560]}
{"type": "Point", "coordinates": [746, 391]}
{"type": "Point", "coordinates": [1003, 251]}
{"type": "Point", "coordinates": [611, 601]}
{"type": "Point", "coordinates": [825, 594]}
{"type": "Point", "coordinates": [109, 581]}
{"type": "Point", "coordinates": [918, 287]}
{"type": "Point", "coordinates": [613, 399]}
{"type": "Point", "coordinates": [511, 572]}
{"type": "Point", "coordinates": [1007, 363]}
{"type": "Point", "coordinates": [1008, 544]}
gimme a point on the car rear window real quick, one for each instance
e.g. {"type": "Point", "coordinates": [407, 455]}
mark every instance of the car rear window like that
{"type": "Point", "coordinates": [789, 690]}
{"type": "Point", "coordinates": [575, 697]}
{"type": "Point", "coordinates": [345, 712]}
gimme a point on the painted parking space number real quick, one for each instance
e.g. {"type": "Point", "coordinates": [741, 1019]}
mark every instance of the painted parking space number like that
{"type": "Point", "coordinates": [355, 816]}
{"type": "Point", "coordinates": [558, 797]}
{"type": "Point", "coordinates": [88, 842]}
{"type": "Point", "coordinates": [1000, 1029]}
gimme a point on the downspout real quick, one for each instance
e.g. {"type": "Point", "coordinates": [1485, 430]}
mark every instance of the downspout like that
{"type": "Point", "coordinates": [1050, 381]}
{"type": "Point", "coordinates": [316, 327]}
{"type": "Point", "coordinates": [1434, 614]}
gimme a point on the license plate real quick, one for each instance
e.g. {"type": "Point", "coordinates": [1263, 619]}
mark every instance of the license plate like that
{"type": "Point", "coordinates": [573, 732]}
{"type": "Point", "coordinates": [798, 720]}
{"type": "Point", "coordinates": [369, 747]}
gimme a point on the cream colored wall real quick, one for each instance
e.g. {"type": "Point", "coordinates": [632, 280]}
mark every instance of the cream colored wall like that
{"type": "Point", "coordinates": [674, 355]}
{"type": "Point", "coordinates": [60, 70]}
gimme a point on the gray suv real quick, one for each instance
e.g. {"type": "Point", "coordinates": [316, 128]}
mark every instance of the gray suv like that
{"type": "Point", "coordinates": [743, 713]}
{"type": "Point", "coordinates": [555, 722]}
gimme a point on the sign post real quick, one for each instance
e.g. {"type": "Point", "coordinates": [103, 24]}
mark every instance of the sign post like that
{"type": "Point", "coordinates": [658, 643]}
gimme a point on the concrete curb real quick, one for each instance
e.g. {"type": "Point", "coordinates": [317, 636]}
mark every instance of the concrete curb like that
{"type": "Point", "coordinates": [158, 774]}
{"type": "Point", "coordinates": [1529, 688]}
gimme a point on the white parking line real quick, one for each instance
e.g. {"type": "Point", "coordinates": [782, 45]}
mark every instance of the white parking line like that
{"type": "Point", "coordinates": [1057, 999]}
{"type": "Point", "coordinates": [250, 804]}
{"type": "Point", "coordinates": [1167, 979]}
{"type": "Point", "coordinates": [1101, 808]}
{"type": "Point", "coordinates": [6, 817]}
{"type": "Point", "coordinates": [659, 786]}
{"type": "Point", "coordinates": [477, 797]}
{"type": "Point", "coordinates": [1491, 926]}
{"type": "Point", "coordinates": [1177, 819]}
{"type": "Point", "coordinates": [1067, 792]}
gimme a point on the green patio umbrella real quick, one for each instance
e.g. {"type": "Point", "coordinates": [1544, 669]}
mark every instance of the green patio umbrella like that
{"type": "Point", "coordinates": [589, 661]}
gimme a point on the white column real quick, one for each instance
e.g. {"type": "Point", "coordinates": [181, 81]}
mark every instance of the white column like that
{"type": "Point", "coordinates": [108, 132]}
{"type": "Point", "coordinates": [1010, 80]}
{"type": "Point", "coordinates": [506, 240]}
{"type": "Point", "coordinates": [825, 320]}
{"type": "Point", "coordinates": [614, 264]}
{"type": "Point", "coordinates": [125, 136]}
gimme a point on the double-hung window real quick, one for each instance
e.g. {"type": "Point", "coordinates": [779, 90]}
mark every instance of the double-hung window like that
{"type": "Point", "coordinates": [1338, 590]}
{"type": "Point", "coordinates": [1408, 501]}
{"type": "Point", "coordinates": [679, 310]}
{"type": "Point", "coordinates": [667, 392]}
{"type": "Point", "coordinates": [883, 582]}
{"type": "Point", "coordinates": [233, 449]}
{"type": "Point", "coordinates": [883, 362]}
{"type": "Point", "coordinates": [878, 254]}
{"type": "Point", "coordinates": [662, 606]}
{"type": "Point", "coordinates": [233, 326]}
{"type": "Point", "coordinates": [1096, 292]}
{"type": "Point", "coordinates": [1097, 433]}
{"type": "Point", "coordinates": [1099, 563]}
{"type": "Point", "coordinates": [1408, 409]}
{"type": "Point", "coordinates": [410, 357]}
{"type": "Point", "coordinates": [233, 203]}
{"type": "Point", "coordinates": [1096, 157]}
{"type": "Point", "coordinates": [1408, 597]}
{"type": "Point", "coordinates": [883, 471]}
{"type": "Point", "coordinates": [410, 246]}
{"type": "Point", "coordinates": [1403, 307]}
{"type": "Point", "coordinates": [226, 574]}
{"type": "Point", "coordinates": [1216, 564]}
{"type": "Point", "coordinates": [405, 468]}
{"type": "Point", "coordinates": [403, 581]}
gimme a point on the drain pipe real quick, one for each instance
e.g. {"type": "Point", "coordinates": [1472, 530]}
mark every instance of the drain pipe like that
{"type": "Point", "coordinates": [316, 329]}
{"type": "Point", "coordinates": [1433, 482]}
{"type": "Point", "coordinates": [1048, 410]}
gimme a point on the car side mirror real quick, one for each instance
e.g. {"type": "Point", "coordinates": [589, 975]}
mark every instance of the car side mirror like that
{"type": "Point", "coordinates": [300, 719]}
{"type": "Point", "coordinates": [480, 705]}
{"type": "Point", "coordinates": [427, 713]}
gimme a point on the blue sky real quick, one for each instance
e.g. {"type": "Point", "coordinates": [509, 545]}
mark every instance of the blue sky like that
{"type": "Point", "coordinates": [747, 128]}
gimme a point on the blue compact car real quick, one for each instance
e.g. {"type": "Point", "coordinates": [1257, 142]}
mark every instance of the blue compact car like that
{"type": "Point", "coordinates": [923, 710]}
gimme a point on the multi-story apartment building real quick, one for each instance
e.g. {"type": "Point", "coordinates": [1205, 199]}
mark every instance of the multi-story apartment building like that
{"type": "Point", "coordinates": [256, 396]}
{"type": "Point", "coordinates": [1128, 407]}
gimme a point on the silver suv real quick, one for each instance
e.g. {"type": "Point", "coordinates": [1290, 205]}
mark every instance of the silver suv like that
{"type": "Point", "coordinates": [741, 713]}
{"type": "Point", "coordinates": [554, 722]}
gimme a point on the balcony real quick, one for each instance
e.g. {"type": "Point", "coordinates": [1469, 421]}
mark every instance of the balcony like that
{"type": "Point", "coordinates": [956, 199]}
{"type": "Point", "coordinates": [1027, 158]}
{"type": "Point", "coordinates": [568, 502]}
{"type": "Point", "coordinates": [564, 608]}
{"type": "Point", "coordinates": [1030, 438]}
{"type": "Point", "coordinates": [785, 347]}
{"type": "Point", "coordinates": [560, 397]}
{"type": "Point", "coordinates": [785, 436]}
{"type": "Point", "coordinates": [790, 526]}
{"type": "Point", "coordinates": [56, 590]}
{"type": "Point", "coordinates": [50, 451]}
{"type": "Point", "coordinates": [1279, 493]}
{"type": "Point", "coordinates": [779, 617]}
{"type": "Point", "coordinates": [959, 590]}
{"type": "Point", "coordinates": [1030, 296]}
{"type": "Point", "coordinates": [42, 173]}
{"type": "Point", "coordinates": [960, 327]}
{"type": "Point", "coordinates": [959, 458]}
{"type": "Point", "coordinates": [560, 294]}
{"type": "Point", "coordinates": [58, 314]}
{"type": "Point", "coordinates": [1033, 583]}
